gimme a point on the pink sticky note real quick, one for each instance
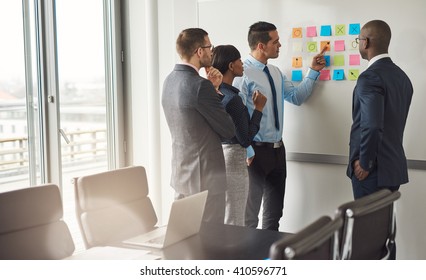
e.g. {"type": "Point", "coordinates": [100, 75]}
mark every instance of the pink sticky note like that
{"type": "Point", "coordinates": [311, 31]}
{"type": "Point", "coordinates": [324, 75]}
{"type": "Point", "coordinates": [354, 59]}
{"type": "Point", "coordinates": [339, 45]}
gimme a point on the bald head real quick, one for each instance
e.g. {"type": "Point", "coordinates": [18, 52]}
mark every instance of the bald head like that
{"type": "Point", "coordinates": [378, 33]}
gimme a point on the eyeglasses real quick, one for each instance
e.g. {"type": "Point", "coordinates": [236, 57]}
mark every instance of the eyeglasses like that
{"type": "Point", "coordinates": [359, 39]}
{"type": "Point", "coordinates": [211, 47]}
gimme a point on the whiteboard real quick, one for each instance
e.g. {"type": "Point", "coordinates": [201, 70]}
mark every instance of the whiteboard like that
{"type": "Point", "coordinates": [322, 124]}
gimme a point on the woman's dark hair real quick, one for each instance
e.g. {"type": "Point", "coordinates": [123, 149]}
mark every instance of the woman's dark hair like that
{"type": "Point", "coordinates": [223, 55]}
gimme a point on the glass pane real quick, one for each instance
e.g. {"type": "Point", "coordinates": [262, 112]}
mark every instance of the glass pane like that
{"type": "Point", "coordinates": [19, 149]}
{"type": "Point", "coordinates": [82, 94]}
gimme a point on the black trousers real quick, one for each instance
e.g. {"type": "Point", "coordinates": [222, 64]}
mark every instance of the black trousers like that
{"type": "Point", "coordinates": [267, 175]}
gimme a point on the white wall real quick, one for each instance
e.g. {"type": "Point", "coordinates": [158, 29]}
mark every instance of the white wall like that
{"type": "Point", "coordinates": [312, 189]}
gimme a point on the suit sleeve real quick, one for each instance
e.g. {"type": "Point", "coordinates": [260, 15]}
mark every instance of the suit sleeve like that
{"type": "Point", "coordinates": [370, 92]}
{"type": "Point", "coordinates": [211, 108]}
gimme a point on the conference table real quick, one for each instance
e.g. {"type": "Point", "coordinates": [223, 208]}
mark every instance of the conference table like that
{"type": "Point", "coordinates": [222, 242]}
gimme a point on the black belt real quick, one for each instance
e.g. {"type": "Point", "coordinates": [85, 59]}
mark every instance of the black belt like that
{"type": "Point", "coordinates": [275, 145]}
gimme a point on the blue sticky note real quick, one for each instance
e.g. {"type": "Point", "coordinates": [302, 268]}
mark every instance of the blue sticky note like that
{"type": "Point", "coordinates": [354, 28]}
{"type": "Point", "coordinates": [325, 30]}
{"type": "Point", "coordinates": [296, 75]}
{"type": "Point", "coordinates": [327, 60]}
{"type": "Point", "coordinates": [338, 74]}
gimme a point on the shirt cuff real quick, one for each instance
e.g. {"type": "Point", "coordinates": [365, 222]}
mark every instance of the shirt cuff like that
{"type": "Point", "coordinates": [312, 74]}
{"type": "Point", "coordinates": [250, 152]}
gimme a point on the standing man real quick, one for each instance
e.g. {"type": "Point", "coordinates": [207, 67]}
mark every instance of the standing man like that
{"type": "Point", "coordinates": [197, 120]}
{"type": "Point", "coordinates": [381, 100]}
{"type": "Point", "coordinates": [267, 169]}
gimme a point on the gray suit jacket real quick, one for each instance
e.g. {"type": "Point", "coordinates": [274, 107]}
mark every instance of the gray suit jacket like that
{"type": "Point", "coordinates": [381, 101]}
{"type": "Point", "coordinates": [197, 120]}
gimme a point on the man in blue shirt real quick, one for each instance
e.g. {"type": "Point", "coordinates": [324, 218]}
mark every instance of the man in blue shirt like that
{"type": "Point", "coordinates": [267, 169]}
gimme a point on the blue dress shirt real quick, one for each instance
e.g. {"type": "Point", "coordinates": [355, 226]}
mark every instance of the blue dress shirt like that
{"type": "Point", "coordinates": [255, 78]}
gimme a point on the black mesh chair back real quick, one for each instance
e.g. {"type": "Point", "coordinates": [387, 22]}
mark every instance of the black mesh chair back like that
{"type": "Point", "coordinates": [317, 241]}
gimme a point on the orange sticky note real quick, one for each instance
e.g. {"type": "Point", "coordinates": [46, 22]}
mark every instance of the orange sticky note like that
{"type": "Point", "coordinates": [297, 32]}
{"type": "Point", "coordinates": [325, 43]}
{"type": "Point", "coordinates": [297, 62]}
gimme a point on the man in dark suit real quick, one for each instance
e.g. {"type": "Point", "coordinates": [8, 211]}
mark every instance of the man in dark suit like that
{"type": "Point", "coordinates": [381, 101]}
{"type": "Point", "coordinates": [197, 120]}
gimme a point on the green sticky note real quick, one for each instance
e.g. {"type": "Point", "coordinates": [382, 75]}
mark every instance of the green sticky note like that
{"type": "Point", "coordinates": [340, 30]}
{"type": "Point", "coordinates": [339, 60]}
{"type": "Point", "coordinates": [353, 74]}
{"type": "Point", "coordinates": [311, 46]}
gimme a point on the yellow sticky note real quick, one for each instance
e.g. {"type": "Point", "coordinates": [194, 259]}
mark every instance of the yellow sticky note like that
{"type": "Point", "coordinates": [297, 47]}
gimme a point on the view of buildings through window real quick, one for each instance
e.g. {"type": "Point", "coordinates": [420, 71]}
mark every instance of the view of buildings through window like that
{"type": "Point", "coordinates": [81, 102]}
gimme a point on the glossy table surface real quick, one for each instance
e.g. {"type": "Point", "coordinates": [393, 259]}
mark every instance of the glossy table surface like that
{"type": "Point", "coordinates": [223, 242]}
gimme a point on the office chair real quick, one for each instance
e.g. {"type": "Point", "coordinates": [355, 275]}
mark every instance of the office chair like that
{"type": "Point", "coordinates": [369, 226]}
{"type": "Point", "coordinates": [31, 225]}
{"type": "Point", "coordinates": [317, 241]}
{"type": "Point", "coordinates": [113, 206]}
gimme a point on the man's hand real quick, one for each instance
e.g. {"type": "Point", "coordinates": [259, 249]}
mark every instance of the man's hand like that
{"type": "Point", "coordinates": [249, 160]}
{"type": "Point", "coordinates": [259, 100]}
{"type": "Point", "coordinates": [318, 61]}
{"type": "Point", "coordinates": [359, 172]}
{"type": "Point", "coordinates": [214, 76]}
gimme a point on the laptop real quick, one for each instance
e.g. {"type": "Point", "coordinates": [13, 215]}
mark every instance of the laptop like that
{"type": "Point", "coordinates": [185, 219]}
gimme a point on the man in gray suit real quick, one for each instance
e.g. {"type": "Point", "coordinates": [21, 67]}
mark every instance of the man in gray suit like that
{"type": "Point", "coordinates": [197, 120]}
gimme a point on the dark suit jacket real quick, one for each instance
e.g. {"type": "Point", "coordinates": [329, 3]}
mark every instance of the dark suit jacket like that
{"type": "Point", "coordinates": [197, 120]}
{"type": "Point", "coordinates": [381, 100]}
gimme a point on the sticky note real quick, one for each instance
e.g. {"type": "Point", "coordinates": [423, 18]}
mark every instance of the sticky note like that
{"type": "Point", "coordinates": [311, 31]}
{"type": "Point", "coordinates": [325, 30]}
{"type": "Point", "coordinates": [297, 47]}
{"type": "Point", "coordinates": [354, 45]}
{"type": "Point", "coordinates": [325, 43]}
{"type": "Point", "coordinates": [324, 75]}
{"type": "Point", "coordinates": [354, 28]}
{"type": "Point", "coordinates": [327, 60]}
{"type": "Point", "coordinates": [338, 74]}
{"type": "Point", "coordinates": [297, 32]}
{"type": "Point", "coordinates": [340, 30]}
{"type": "Point", "coordinates": [353, 74]}
{"type": "Point", "coordinates": [297, 62]}
{"type": "Point", "coordinates": [354, 59]}
{"type": "Point", "coordinates": [296, 75]}
{"type": "Point", "coordinates": [339, 60]}
{"type": "Point", "coordinates": [311, 46]}
{"type": "Point", "coordinates": [339, 45]}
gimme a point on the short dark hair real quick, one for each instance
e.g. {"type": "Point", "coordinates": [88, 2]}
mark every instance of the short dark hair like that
{"type": "Point", "coordinates": [223, 55]}
{"type": "Point", "coordinates": [189, 40]}
{"type": "Point", "coordinates": [259, 32]}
